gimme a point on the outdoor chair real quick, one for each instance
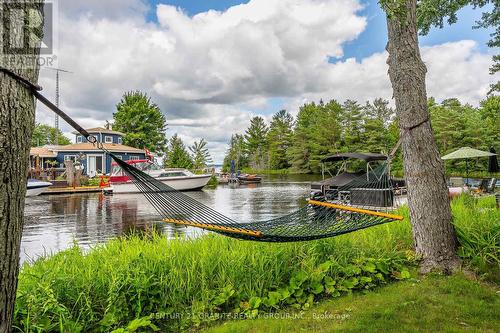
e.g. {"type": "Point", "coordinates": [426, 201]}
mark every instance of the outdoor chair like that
{"type": "Point", "coordinates": [491, 185]}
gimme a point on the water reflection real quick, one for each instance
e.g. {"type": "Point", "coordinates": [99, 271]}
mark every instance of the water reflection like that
{"type": "Point", "coordinates": [55, 222]}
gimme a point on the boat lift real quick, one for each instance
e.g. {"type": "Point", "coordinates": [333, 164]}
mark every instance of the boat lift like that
{"type": "Point", "coordinates": [333, 189]}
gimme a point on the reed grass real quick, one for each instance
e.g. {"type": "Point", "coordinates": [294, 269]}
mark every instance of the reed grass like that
{"type": "Point", "coordinates": [141, 281]}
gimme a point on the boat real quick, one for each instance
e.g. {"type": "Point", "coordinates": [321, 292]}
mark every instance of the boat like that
{"type": "Point", "coordinates": [36, 187]}
{"type": "Point", "coordinates": [246, 178]}
{"type": "Point", "coordinates": [334, 188]}
{"type": "Point", "coordinates": [179, 179]}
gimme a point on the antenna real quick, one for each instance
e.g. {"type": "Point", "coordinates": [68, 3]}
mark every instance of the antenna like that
{"type": "Point", "coordinates": [56, 117]}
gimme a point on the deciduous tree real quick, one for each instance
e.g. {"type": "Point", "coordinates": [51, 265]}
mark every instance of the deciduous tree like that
{"type": "Point", "coordinates": [46, 135]}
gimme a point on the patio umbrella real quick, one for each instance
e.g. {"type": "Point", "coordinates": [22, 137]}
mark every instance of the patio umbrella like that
{"type": "Point", "coordinates": [493, 162]}
{"type": "Point", "coordinates": [467, 153]}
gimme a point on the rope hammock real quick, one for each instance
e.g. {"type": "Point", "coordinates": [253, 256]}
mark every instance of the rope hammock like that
{"type": "Point", "coordinates": [314, 221]}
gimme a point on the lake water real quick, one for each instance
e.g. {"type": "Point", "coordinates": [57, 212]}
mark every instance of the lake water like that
{"type": "Point", "coordinates": [55, 222]}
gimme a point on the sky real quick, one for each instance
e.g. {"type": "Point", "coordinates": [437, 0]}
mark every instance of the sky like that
{"type": "Point", "coordinates": [212, 65]}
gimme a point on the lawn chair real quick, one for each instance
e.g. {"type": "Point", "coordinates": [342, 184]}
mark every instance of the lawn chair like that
{"type": "Point", "coordinates": [491, 185]}
{"type": "Point", "coordinates": [483, 186]}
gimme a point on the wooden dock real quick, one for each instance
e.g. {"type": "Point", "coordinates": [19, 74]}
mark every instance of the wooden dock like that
{"type": "Point", "coordinates": [68, 190]}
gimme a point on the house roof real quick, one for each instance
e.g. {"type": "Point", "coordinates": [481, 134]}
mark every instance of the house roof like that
{"type": "Point", "coordinates": [42, 152]}
{"type": "Point", "coordinates": [103, 130]}
{"type": "Point", "coordinates": [87, 146]}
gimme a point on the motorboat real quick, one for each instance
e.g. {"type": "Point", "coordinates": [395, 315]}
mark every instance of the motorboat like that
{"type": "Point", "coordinates": [36, 187]}
{"type": "Point", "coordinates": [179, 179]}
{"type": "Point", "coordinates": [246, 178]}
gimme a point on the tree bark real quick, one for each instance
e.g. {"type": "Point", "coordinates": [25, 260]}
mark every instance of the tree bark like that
{"type": "Point", "coordinates": [17, 119]}
{"type": "Point", "coordinates": [430, 214]}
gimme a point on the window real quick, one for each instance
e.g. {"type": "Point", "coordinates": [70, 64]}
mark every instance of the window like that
{"type": "Point", "coordinates": [108, 139]}
{"type": "Point", "coordinates": [79, 139]}
{"type": "Point", "coordinates": [134, 158]}
{"type": "Point", "coordinates": [70, 158]}
{"type": "Point", "coordinates": [120, 140]}
{"type": "Point", "coordinates": [173, 174]}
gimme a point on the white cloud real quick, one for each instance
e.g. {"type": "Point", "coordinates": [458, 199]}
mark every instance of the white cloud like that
{"type": "Point", "coordinates": [211, 72]}
{"type": "Point", "coordinates": [458, 70]}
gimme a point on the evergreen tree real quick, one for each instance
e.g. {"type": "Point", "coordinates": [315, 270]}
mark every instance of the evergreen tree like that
{"type": "Point", "coordinates": [378, 116]}
{"type": "Point", "coordinates": [200, 155]}
{"type": "Point", "coordinates": [280, 139]}
{"type": "Point", "coordinates": [380, 110]}
{"type": "Point", "coordinates": [256, 143]}
{"type": "Point", "coordinates": [177, 155]}
{"type": "Point", "coordinates": [326, 131]}
{"type": "Point", "coordinates": [353, 125]}
{"type": "Point", "coordinates": [142, 122]}
{"type": "Point", "coordinates": [302, 148]}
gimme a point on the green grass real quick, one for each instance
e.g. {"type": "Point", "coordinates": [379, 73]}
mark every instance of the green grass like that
{"type": "Point", "coordinates": [430, 304]}
{"type": "Point", "coordinates": [149, 280]}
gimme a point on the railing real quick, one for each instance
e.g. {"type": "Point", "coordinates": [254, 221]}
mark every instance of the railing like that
{"type": "Point", "coordinates": [46, 174]}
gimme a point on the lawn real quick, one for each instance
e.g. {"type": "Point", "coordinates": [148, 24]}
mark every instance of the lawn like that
{"type": "Point", "coordinates": [148, 282]}
{"type": "Point", "coordinates": [425, 304]}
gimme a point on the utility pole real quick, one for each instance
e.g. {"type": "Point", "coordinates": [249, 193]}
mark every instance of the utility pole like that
{"type": "Point", "coordinates": [56, 117]}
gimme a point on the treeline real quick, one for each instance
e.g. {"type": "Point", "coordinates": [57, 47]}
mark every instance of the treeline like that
{"type": "Point", "coordinates": [321, 129]}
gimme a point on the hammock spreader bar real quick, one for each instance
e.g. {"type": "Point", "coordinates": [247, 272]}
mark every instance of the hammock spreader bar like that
{"type": "Point", "coordinates": [356, 210]}
{"type": "Point", "coordinates": [215, 227]}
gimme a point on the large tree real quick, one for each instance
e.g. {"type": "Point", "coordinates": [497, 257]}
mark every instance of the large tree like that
{"type": "Point", "coordinates": [430, 213]}
{"type": "Point", "coordinates": [17, 119]}
{"type": "Point", "coordinates": [142, 122]}
{"type": "Point", "coordinates": [46, 135]}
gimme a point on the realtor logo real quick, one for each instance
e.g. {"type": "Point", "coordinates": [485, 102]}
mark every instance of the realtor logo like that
{"type": "Point", "coordinates": [26, 26]}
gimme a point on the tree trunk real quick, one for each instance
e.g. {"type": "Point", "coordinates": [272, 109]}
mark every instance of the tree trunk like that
{"type": "Point", "coordinates": [433, 234]}
{"type": "Point", "coordinates": [17, 118]}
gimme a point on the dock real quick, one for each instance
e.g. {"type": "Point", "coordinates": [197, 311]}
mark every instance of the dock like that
{"type": "Point", "coordinates": [69, 190]}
